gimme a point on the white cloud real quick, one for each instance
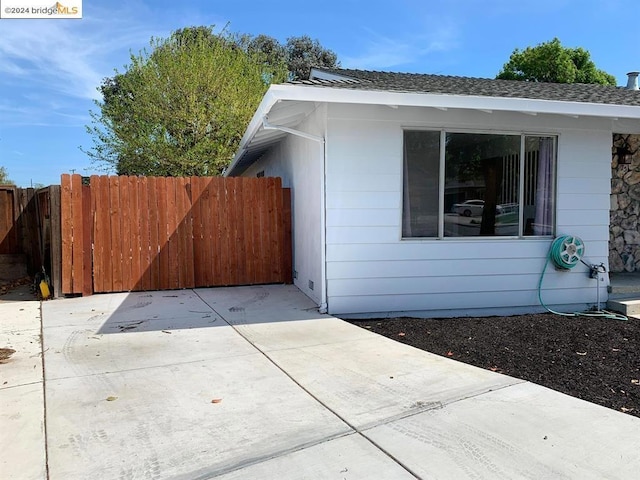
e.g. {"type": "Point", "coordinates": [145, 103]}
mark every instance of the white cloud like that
{"type": "Point", "coordinates": [68, 57]}
{"type": "Point", "coordinates": [382, 52]}
{"type": "Point", "coordinates": [51, 69]}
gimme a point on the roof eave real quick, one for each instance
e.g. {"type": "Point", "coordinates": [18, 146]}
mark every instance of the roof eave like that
{"type": "Point", "coordinates": [440, 100]}
{"type": "Point", "coordinates": [306, 93]}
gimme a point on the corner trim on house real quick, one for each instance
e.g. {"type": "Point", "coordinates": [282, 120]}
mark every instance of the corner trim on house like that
{"type": "Point", "coordinates": [323, 307]}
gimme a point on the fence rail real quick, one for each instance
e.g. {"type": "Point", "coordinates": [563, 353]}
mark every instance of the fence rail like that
{"type": "Point", "coordinates": [157, 233]}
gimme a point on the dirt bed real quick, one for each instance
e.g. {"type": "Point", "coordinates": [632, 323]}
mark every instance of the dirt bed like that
{"type": "Point", "coordinates": [594, 359]}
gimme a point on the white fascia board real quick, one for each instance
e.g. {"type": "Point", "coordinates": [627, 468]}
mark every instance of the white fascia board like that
{"type": "Point", "coordinates": [445, 101]}
{"type": "Point", "coordinates": [268, 101]}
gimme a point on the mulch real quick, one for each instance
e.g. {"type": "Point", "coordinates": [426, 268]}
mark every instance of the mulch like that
{"type": "Point", "coordinates": [594, 359]}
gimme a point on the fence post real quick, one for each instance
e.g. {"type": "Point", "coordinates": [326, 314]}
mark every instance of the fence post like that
{"type": "Point", "coordinates": [56, 239]}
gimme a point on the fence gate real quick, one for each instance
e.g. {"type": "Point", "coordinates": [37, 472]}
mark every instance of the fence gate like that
{"type": "Point", "coordinates": [157, 233]}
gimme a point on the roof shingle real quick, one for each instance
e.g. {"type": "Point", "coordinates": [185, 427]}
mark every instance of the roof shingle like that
{"type": "Point", "coordinates": [451, 85]}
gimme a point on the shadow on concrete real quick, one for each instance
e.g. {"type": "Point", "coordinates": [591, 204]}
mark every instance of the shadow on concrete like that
{"type": "Point", "coordinates": [204, 308]}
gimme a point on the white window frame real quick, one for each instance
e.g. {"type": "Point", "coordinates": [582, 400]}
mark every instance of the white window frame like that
{"type": "Point", "coordinates": [441, 182]}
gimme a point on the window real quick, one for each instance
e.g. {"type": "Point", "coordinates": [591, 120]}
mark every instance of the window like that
{"type": "Point", "coordinates": [483, 192]}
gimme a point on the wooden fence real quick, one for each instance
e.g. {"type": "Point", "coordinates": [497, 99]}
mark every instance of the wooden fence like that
{"type": "Point", "coordinates": [30, 227]}
{"type": "Point", "coordinates": [156, 233]}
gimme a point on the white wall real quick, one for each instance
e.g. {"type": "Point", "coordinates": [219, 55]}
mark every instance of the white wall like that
{"type": "Point", "coordinates": [299, 162]}
{"type": "Point", "coordinates": [372, 271]}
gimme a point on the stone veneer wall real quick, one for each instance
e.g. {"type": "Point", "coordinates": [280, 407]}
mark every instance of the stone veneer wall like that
{"type": "Point", "coordinates": [624, 238]}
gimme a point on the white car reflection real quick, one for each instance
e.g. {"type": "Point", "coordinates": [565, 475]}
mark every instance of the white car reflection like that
{"type": "Point", "coordinates": [473, 208]}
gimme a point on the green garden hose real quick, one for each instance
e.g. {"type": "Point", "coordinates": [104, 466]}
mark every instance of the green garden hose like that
{"type": "Point", "coordinates": [566, 252]}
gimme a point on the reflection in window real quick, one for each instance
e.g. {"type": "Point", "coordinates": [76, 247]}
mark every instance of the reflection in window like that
{"type": "Point", "coordinates": [481, 169]}
{"type": "Point", "coordinates": [420, 192]}
{"type": "Point", "coordinates": [539, 187]}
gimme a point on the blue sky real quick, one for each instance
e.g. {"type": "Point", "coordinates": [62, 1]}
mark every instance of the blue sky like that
{"type": "Point", "coordinates": [50, 69]}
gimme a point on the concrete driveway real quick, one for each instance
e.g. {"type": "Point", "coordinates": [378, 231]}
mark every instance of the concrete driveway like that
{"type": "Point", "coordinates": [253, 383]}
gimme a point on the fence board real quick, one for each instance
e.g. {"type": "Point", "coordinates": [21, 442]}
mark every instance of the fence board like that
{"type": "Point", "coordinates": [215, 205]}
{"type": "Point", "coordinates": [208, 222]}
{"type": "Point", "coordinates": [142, 219]}
{"type": "Point", "coordinates": [287, 240]}
{"type": "Point", "coordinates": [265, 234]}
{"type": "Point", "coordinates": [67, 233]}
{"type": "Point", "coordinates": [185, 234]}
{"type": "Point", "coordinates": [134, 214]}
{"type": "Point", "coordinates": [86, 225]}
{"type": "Point", "coordinates": [34, 235]}
{"type": "Point", "coordinates": [230, 216]}
{"type": "Point", "coordinates": [8, 230]}
{"type": "Point", "coordinates": [163, 238]}
{"type": "Point", "coordinates": [100, 188]}
{"type": "Point", "coordinates": [196, 218]}
{"type": "Point", "coordinates": [190, 253]}
{"type": "Point", "coordinates": [256, 240]}
{"type": "Point", "coordinates": [124, 220]}
{"type": "Point", "coordinates": [116, 234]}
{"type": "Point", "coordinates": [151, 209]}
{"type": "Point", "coordinates": [248, 198]}
{"type": "Point", "coordinates": [181, 233]}
{"type": "Point", "coordinates": [98, 268]}
{"type": "Point", "coordinates": [172, 239]}
{"type": "Point", "coordinates": [78, 239]}
{"type": "Point", "coordinates": [176, 232]}
{"type": "Point", "coordinates": [275, 195]}
{"type": "Point", "coordinates": [240, 247]}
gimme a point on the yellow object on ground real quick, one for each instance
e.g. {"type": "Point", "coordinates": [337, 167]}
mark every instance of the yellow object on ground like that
{"type": "Point", "coordinates": [44, 289]}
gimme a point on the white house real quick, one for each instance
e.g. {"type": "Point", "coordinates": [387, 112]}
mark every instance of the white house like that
{"type": "Point", "coordinates": [383, 167]}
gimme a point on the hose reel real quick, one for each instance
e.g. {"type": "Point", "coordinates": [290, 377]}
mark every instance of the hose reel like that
{"type": "Point", "coordinates": [565, 253]}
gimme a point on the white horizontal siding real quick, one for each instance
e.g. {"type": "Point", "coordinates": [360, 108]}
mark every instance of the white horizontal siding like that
{"type": "Point", "coordinates": [587, 234]}
{"type": "Point", "coordinates": [356, 182]}
{"type": "Point", "coordinates": [371, 269]}
{"type": "Point", "coordinates": [578, 185]}
{"type": "Point", "coordinates": [457, 249]}
{"type": "Point", "coordinates": [409, 269]}
{"type": "Point", "coordinates": [463, 284]}
{"type": "Point", "coordinates": [583, 201]}
{"type": "Point", "coordinates": [568, 218]}
{"type": "Point", "coordinates": [360, 235]}
{"type": "Point", "coordinates": [438, 304]}
{"type": "Point", "coordinates": [366, 199]}
{"type": "Point", "coordinates": [503, 250]}
{"type": "Point", "coordinates": [354, 217]}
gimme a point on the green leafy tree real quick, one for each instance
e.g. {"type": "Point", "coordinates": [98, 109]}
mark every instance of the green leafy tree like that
{"type": "Point", "coordinates": [180, 108]}
{"type": "Point", "coordinates": [4, 177]}
{"type": "Point", "coordinates": [273, 52]}
{"type": "Point", "coordinates": [303, 53]}
{"type": "Point", "coordinates": [299, 53]}
{"type": "Point", "coordinates": [551, 62]}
